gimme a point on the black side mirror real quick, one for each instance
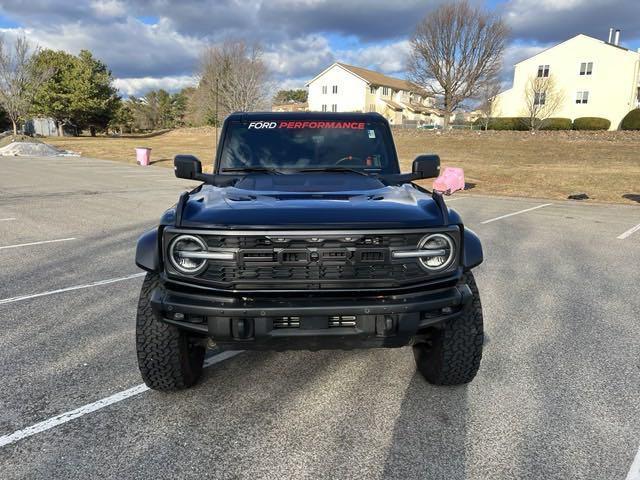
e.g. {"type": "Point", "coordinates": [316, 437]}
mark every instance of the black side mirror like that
{"type": "Point", "coordinates": [187, 166]}
{"type": "Point", "coordinates": [426, 166]}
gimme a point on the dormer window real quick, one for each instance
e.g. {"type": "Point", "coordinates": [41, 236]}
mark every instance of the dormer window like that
{"type": "Point", "coordinates": [373, 89]}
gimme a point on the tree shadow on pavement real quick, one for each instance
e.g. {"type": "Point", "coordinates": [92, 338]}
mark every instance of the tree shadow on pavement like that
{"type": "Point", "coordinates": [429, 437]}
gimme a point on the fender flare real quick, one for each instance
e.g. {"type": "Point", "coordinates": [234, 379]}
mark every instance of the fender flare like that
{"type": "Point", "coordinates": [148, 251]}
{"type": "Point", "coordinates": [472, 256]}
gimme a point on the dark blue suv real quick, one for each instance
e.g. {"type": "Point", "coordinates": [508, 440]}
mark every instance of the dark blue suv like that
{"type": "Point", "coordinates": [307, 236]}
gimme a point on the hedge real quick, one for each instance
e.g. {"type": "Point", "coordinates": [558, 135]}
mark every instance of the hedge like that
{"type": "Point", "coordinates": [505, 123]}
{"type": "Point", "coordinates": [591, 123]}
{"type": "Point", "coordinates": [557, 124]}
{"type": "Point", "coordinates": [631, 120]}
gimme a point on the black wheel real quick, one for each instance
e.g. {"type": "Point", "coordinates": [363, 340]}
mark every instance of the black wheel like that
{"type": "Point", "coordinates": [168, 358]}
{"type": "Point", "coordinates": [451, 355]}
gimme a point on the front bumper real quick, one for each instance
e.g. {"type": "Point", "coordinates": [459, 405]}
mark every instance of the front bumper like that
{"type": "Point", "coordinates": [309, 322]}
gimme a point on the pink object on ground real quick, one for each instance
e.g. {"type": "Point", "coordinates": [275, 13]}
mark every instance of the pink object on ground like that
{"type": "Point", "coordinates": [143, 155]}
{"type": "Point", "coordinates": [449, 181]}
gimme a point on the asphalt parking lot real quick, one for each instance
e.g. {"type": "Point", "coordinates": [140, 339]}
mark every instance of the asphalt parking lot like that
{"type": "Point", "coordinates": [557, 395]}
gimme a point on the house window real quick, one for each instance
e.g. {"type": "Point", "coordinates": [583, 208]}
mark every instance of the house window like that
{"type": "Point", "coordinates": [582, 97]}
{"type": "Point", "coordinates": [324, 108]}
{"type": "Point", "coordinates": [543, 71]}
{"type": "Point", "coordinates": [334, 89]}
{"type": "Point", "coordinates": [373, 89]}
{"type": "Point", "coordinates": [334, 107]}
{"type": "Point", "coordinates": [372, 107]}
{"type": "Point", "coordinates": [324, 89]}
{"type": "Point", "coordinates": [586, 68]}
{"type": "Point", "coordinates": [385, 90]}
{"type": "Point", "coordinates": [539, 98]}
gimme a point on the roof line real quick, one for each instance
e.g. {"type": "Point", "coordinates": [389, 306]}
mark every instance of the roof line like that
{"type": "Point", "coordinates": [569, 39]}
{"type": "Point", "coordinates": [342, 66]}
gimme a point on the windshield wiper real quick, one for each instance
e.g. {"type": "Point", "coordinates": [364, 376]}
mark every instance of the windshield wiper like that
{"type": "Point", "coordinates": [272, 171]}
{"type": "Point", "coordinates": [332, 169]}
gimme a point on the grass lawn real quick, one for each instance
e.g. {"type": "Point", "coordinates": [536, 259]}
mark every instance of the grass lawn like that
{"type": "Point", "coordinates": [604, 165]}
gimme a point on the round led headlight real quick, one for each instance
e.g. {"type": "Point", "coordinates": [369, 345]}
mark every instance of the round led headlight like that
{"type": "Point", "coordinates": [187, 254]}
{"type": "Point", "coordinates": [441, 249]}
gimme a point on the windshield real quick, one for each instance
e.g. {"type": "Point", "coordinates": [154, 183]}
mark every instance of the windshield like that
{"type": "Point", "coordinates": [309, 144]}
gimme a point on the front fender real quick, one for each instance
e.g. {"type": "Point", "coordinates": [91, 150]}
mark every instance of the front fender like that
{"type": "Point", "coordinates": [472, 255]}
{"type": "Point", "coordinates": [148, 251]}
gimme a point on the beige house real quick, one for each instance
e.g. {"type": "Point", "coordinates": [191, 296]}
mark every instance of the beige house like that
{"type": "Point", "coordinates": [346, 88]}
{"type": "Point", "coordinates": [594, 78]}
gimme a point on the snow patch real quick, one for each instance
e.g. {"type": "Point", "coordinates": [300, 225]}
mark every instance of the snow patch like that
{"type": "Point", "coordinates": [32, 149]}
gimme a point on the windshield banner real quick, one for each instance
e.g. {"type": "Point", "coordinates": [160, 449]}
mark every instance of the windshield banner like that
{"type": "Point", "coordinates": [306, 124]}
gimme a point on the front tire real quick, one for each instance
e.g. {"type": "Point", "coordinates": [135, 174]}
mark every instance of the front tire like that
{"type": "Point", "coordinates": [451, 355]}
{"type": "Point", "coordinates": [169, 359]}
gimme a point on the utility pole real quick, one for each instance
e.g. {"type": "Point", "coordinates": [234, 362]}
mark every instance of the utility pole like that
{"type": "Point", "coordinates": [216, 115]}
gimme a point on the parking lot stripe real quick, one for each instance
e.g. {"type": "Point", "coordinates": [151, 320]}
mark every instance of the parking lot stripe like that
{"type": "Point", "coordinates": [629, 232]}
{"type": "Point", "coordinates": [143, 175]}
{"type": "Point", "coordinates": [92, 407]}
{"type": "Point", "coordinates": [69, 289]}
{"type": "Point", "coordinates": [634, 471]}
{"type": "Point", "coordinates": [516, 213]}
{"type": "Point", "coordinates": [6, 219]}
{"type": "Point", "coordinates": [37, 243]}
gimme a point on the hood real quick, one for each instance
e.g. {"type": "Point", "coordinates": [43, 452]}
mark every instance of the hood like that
{"type": "Point", "coordinates": [299, 201]}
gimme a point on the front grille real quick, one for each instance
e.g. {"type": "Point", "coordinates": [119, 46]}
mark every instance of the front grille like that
{"type": "Point", "coordinates": [312, 262]}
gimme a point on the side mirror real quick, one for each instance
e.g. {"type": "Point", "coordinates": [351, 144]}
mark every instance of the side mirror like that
{"type": "Point", "coordinates": [426, 166]}
{"type": "Point", "coordinates": [187, 166]}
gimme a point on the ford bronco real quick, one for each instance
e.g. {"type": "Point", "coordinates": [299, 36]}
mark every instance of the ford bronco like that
{"type": "Point", "coordinates": [307, 236]}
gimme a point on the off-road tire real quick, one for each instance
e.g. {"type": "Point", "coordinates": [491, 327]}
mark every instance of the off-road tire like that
{"type": "Point", "coordinates": [168, 358]}
{"type": "Point", "coordinates": [452, 354]}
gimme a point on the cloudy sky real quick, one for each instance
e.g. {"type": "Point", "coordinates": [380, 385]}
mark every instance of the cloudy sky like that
{"type": "Point", "coordinates": [156, 43]}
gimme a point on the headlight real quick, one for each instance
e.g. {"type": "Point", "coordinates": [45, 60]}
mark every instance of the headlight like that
{"type": "Point", "coordinates": [435, 252]}
{"type": "Point", "coordinates": [188, 254]}
{"type": "Point", "coordinates": [441, 251]}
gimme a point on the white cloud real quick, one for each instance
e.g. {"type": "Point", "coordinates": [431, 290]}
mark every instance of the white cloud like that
{"type": "Point", "coordinates": [139, 86]}
{"type": "Point", "coordinates": [390, 59]}
{"type": "Point", "coordinates": [303, 56]}
{"type": "Point", "coordinates": [108, 8]}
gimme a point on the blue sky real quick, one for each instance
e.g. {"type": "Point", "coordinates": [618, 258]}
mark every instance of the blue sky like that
{"type": "Point", "coordinates": [156, 43]}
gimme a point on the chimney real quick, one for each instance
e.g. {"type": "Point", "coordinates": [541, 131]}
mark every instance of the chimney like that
{"type": "Point", "coordinates": [610, 35]}
{"type": "Point", "coordinates": [617, 38]}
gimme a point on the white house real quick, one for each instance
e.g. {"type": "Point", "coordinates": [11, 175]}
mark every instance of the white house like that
{"type": "Point", "coordinates": [346, 88]}
{"type": "Point", "coordinates": [595, 79]}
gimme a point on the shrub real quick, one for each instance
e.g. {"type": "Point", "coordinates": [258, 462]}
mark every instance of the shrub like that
{"type": "Point", "coordinates": [505, 123]}
{"type": "Point", "coordinates": [631, 120]}
{"type": "Point", "coordinates": [557, 124]}
{"type": "Point", "coordinates": [591, 123]}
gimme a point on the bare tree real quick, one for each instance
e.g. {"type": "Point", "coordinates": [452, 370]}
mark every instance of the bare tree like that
{"type": "Point", "coordinates": [233, 78]}
{"type": "Point", "coordinates": [455, 50]}
{"type": "Point", "coordinates": [19, 81]}
{"type": "Point", "coordinates": [488, 97]}
{"type": "Point", "coordinates": [542, 99]}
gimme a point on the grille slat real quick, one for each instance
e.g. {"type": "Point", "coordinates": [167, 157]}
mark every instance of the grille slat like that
{"type": "Point", "coordinates": [355, 260]}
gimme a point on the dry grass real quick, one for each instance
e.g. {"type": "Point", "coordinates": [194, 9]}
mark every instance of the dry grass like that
{"type": "Point", "coordinates": [197, 141]}
{"type": "Point", "coordinates": [604, 165]}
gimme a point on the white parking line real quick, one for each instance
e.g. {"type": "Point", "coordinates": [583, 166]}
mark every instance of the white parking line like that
{"type": "Point", "coordinates": [145, 175]}
{"type": "Point", "coordinates": [6, 219]}
{"type": "Point", "coordinates": [629, 232]}
{"type": "Point", "coordinates": [634, 471]}
{"type": "Point", "coordinates": [69, 289]}
{"type": "Point", "coordinates": [37, 243]}
{"type": "Point", "coordinates": [92, 407]}
{"type": "Point", "coordinates": [449, 200]}
{"type": "Point", "coordinates": [516, 213]}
